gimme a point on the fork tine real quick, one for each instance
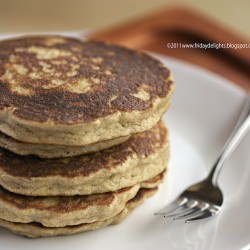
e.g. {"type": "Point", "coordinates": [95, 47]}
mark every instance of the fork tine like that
{"type": "Point", "coordinates": [194, 211]}
{"type": "Point", "coordinates": [186, 214]}
{"type": "Point", "coordinates": [183, 209]}
{"type": "Point", "coordinates": [173, 206]}
{"type": "Point", "coordinates": [205, 214]}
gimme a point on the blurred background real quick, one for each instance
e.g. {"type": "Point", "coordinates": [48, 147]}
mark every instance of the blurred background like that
{"type": "Point", "coordinates": [67, 15]}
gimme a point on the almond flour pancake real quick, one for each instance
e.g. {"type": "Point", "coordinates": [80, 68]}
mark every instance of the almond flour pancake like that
{"type": "Point", "coordinates": [63, 91]}
{"type": "Point", "coordinates": [60, 211]}
{"type": "Point", "coordinates": [55, 151]}
{"type": "Point", "coordinates": [140, 158]}
{"type": "Point", "coordinates": [37, 230]}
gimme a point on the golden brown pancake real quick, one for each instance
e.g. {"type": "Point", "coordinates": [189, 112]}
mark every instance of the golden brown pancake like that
{"type": "Point", "coordinates": [63, 91]}
{"type": "Point", "coordinates": [55, 151]}
{"type": "Point", "coordinates": [60, 211]}
{"type": "Point", "coordinates": [37, 230]}
{"type": "Point", "coordinates": [140, 158]}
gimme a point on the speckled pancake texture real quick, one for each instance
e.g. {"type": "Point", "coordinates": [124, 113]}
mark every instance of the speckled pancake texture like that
{"type": "Point", "coordinates": [82, 142]}
{"type": "Point", "coordinates": [63, 91]}
{"type": "Point", "coordinates": [60, 211]}
{"type": "Point", "coordinates": [141, 157]}
{"type": "Point", "coordinates": [34, 230]}
{"type": "Point", "coordinates": [55, 151]}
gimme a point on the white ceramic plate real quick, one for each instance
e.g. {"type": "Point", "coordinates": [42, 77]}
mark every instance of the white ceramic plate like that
{"type": "Point", "coordinates": [203, 112]}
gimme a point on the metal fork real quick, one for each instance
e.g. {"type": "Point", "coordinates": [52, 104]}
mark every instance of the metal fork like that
{"type": "Point", "coordinates": [204, 199]}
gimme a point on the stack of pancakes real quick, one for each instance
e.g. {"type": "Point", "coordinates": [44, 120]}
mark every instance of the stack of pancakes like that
{"type": "Point", "coordinates": [82, 141]}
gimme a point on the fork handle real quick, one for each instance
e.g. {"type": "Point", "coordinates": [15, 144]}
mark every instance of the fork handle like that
{"type": "Point", "coordinates": [241, 128]}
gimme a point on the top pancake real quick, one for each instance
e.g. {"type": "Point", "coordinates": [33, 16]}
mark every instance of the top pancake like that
{"type": "Point", "coordinates": [57, 90]}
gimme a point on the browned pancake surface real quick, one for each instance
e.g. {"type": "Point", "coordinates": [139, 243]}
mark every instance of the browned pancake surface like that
{"type": "Point", "coordinates": [64, 204]}
{"type": "Point", "coordinates": [143, 144]}
{"type": "Point", "coordinates": [67, 81]}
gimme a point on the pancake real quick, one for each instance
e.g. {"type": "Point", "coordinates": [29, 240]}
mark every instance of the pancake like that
{"type": "Point", "coordinates": [34, 230]}
{"type": "Point", "coordinates": [63, 91]}
{"type": "Point", "coordinates": [60, 211]}
{"type": "Point", "coordinates": [55, 151]}
{"type": "Point", "coordinates": [140, 158]}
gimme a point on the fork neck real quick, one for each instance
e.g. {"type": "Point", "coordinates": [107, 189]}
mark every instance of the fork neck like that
{"type": "Point", "coordinates": [240, 130]}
